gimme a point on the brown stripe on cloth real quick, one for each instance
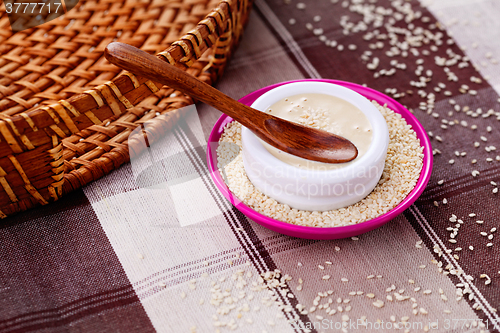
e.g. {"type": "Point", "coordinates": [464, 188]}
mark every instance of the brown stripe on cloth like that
{"type": "Point", "coordinates": [58, 273]}
{"type": "Point", "coordinates": [319, 40]}
{"type": "Point", "coordinates": [249, 241]}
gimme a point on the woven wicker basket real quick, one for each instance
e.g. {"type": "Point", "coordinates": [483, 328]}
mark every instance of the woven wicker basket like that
{"type": "Point", "coordinates": [66, 112]}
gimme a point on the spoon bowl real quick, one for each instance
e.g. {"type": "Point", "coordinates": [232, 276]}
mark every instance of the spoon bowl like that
{"type": "Point", "coordinates": [309, 143]}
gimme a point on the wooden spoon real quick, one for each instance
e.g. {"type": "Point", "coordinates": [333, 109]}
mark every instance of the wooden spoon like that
{"type": "Point", "coordinates": [296, 139]}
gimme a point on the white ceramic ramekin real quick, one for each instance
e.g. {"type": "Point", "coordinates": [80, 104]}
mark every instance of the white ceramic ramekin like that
{"type": "Point", "coordinates": [315, 190]}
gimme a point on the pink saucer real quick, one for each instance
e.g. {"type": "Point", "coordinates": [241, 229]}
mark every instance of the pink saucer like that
{"type": "Point", "coordinates": [324, 233]}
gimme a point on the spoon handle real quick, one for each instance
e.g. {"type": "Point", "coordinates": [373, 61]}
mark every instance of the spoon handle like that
{"type": "Point", "coordinates": [296, 139]}
{"type": "Point", "coordinates": [146, 65]}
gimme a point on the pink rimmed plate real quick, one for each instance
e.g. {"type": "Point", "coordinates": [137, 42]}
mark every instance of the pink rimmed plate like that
{"type": "Point", "coordinates": [334, 232]}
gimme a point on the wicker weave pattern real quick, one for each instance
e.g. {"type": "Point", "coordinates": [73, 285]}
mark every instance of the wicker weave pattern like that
{"type": "Point", "coordinates": [66, 114]}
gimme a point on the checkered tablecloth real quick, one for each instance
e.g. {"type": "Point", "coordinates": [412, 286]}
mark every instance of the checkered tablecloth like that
{"type": "Point", "coordinates": [145, 250]}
